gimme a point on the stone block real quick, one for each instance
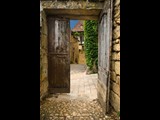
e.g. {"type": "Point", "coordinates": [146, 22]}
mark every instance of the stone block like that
{"type": "Point", "coordinates": [117, 11]}
{"type": "Point", "coordinates": [115, 87]}
{"type": "Point", "coordinates": [116, 56]}
{"type": "Point", "coordinates": [116, 32]}
{"type": "Point", "coordinates": [116, 47]}
{"type": "Point", "coordinates": [113, 65]}
{"type": "Point", "coordinates": [117, 41]}
{"type": "Point", "coordinates": [117, 67]}
{"type": "Point", "coordinates": [116, 2]}
{"type": "Point", "coordinates": [113, 76]}
{"type": "Point", "coordinates": [115, 101]}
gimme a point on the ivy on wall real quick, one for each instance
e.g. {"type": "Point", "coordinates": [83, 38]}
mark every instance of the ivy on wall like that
{"type": "Point", "coordinates": [77, 34]}
{"type": "Point", "coordinates": [91, 42]}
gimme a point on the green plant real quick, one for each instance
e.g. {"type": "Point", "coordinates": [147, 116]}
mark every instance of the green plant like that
{"type": "Point", "coordinates": [91, 42]}
{"type": "Point", "coordinates": [76, 33]}
{"type": "Point", "coordinates": [118, 113]}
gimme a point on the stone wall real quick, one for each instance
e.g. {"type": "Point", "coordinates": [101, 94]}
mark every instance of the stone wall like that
{"type": "Point", "coordinates": [115, 58]}
{"type": "Point", "coordinates": [74, 50]}
{"type": "Point", "coordinates": [77, 9]}
{"type": "Point", "coordinates": [71, 5]}
{"type": "Point", "coordinates": [82, 59]}
{"type": "Point", "coordinates": [43, 57]}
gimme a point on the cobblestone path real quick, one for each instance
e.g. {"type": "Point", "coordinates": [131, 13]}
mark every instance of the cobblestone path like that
{"type": "Point", "coordinates": [80, 104]}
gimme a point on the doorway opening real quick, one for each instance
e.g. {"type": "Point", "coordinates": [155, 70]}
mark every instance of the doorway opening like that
{"type": "Point", "coordinates": [58, 35]}
{"type": "Point", "coordinates": [83, 80]}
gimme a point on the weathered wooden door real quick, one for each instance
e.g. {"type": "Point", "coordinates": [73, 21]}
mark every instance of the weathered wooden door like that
{"type": "Point", "coordinates": [104, 55]}
{"type": "Point", "coordinates": [58, 55]}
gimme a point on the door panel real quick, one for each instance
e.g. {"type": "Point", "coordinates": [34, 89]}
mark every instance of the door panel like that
{"type": "Point", "coordinates": [104, 55]}
{"type": "Point", "coordinates": [58, 55]}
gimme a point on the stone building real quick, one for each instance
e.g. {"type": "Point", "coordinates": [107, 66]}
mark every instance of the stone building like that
{"type": "Point", "coordinates": [108, 14]}
{"type": "Point", "coordinates": [74, 50]}
{"type": "Point", "coordinates": [78, 32]}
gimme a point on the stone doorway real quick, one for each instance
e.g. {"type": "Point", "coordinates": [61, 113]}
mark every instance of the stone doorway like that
{"type": "Point", "coordinates": [98, 10]}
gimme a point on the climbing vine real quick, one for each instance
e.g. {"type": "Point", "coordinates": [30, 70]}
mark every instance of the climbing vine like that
{"type": "Point", "coordinates": [77, 34]}
{"type": "Point", "coordinates": [91, 42]}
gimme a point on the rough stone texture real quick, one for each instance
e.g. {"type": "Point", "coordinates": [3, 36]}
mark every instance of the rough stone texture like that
{"type": "Point", "coordinates": [81, 10]}
{"type": "Point", "coordinates": [116, 47]}
{"type": "Point", "coordinates": [118, 21]}
{"type": "Point", "coordinates": [115, 57]}
{"type": "Point", "coordinates": [116, 2]}
{"type": "Point", "coordinates": [44, 24]}
{"type": "Point", "coordinates": [115, 87]}
{"type": "Point", "coordinates": [116, 32]}
{"type": "Point", "coordinates": [118, 80]}
{"type": "Point", "coordinates": [65, 107]}
{"type": "Point", "coordinates": [74, 50]}
{"type": "Point", "coordinates": [82, 59]}
{"type": "Point", "coordinates": [113, 76]}
{"type": "Point", "coordinates": [114, 25]}
{"type": "Point", "coordinates": [76, 56]}
{"type": "Point", "coordinates": [116, 41]}
{"type": "Point", "coordinates": [117, 67]}
{"type": "Point", "coordinates": [43, 89]}
{"type": "Point", "coordinates": [117, 11]}
{"type": "Point", "coordinates": [115, 101]}
{"type": "Point", "coordinates": [43, 58]}
{"type": "Point", "coordinates": [71, 5]}
{"type": "Point", "coordinates": [80, 104]}
{"type": "Point", "coordinates": [112, 65]}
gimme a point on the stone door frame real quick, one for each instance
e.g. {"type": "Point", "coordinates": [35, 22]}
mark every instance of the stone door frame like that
{"type": "Point", "coordinates": [95, 12]}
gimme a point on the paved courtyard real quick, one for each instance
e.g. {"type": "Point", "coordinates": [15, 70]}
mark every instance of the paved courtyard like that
{"type": "Point", "coordinates": [80, 104]}
{"type": "Point", "coordinates": [82, 84]}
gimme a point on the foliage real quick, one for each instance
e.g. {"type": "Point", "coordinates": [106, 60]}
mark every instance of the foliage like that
{"type": "Point", "coordinates": [118, 113]}
{"type": "Point", "coordinates": [77, 34]}
{"type": "Point", "coordinates": [91, 42]}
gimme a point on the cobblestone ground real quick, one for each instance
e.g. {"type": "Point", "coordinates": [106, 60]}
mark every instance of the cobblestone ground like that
{"type": "Point", "coordinates": [80, 104]}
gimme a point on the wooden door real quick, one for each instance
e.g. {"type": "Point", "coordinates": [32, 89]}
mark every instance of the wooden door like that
{"type": "Point", "coordinates": [58, 55]}
{"type": "Point", "coordinates": [104, 55]}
